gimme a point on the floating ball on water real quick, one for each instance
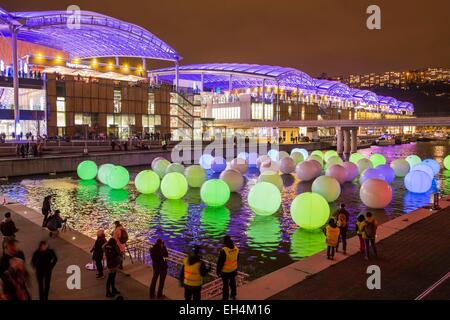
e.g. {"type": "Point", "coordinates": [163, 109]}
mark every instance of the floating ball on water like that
{"type": "Point", "coordinates": [195, 176]}
{"type": "Point", "coordinates": [287, 165]}
{"type": "Point", "coordinates": [447, 162]}
{"type": "Point", "coordinates": [351, 171]}
{"type": "Point", "coordinates": [425, 168]}
{"type": "Point", "coordinates": [364, 164]}
{"type": "Point", "coordinates": [269, 165]}
{"type": "Point", "coordinates": [308, 170]}
{"type": "Point", "coordinates": [433, 164]}
{"type": "Point", "coordinates": [233, 178]}
{"type": "Point", "coordinates": [174, 186]}
{"type": "Point", "coordinates": [218, 164]}
{"type": "Point", "coordinates": [103, 172]}
{"type": "Point", "coordinates": [87, 170]}
{"type": "Point", "coordinates": [273, 154]}
{"type": "Point", "coordinates": [317, 153]}
{"type": "Point", "coordinates": [329, 154]}
{"type": "Point", "coordinates": [160, 167]}
{"type": "Point", "coordinates": [387, 172]}
{"type": "Point", "coordinates": [371, 173]}
{"type": "Point", "coordinates": [282, 155]}
{"type": "Point", "coordinates": [262, 159]}
{"type": "Point", "coordinates": [328, 187]}
{"type": "Point", "coordinates": [243, 155]}
{"type": "Point", "coordinates": [147, 181]}
{"type": "Point", "coordinates": [239, 164]}
{"type": "Point", "coordinates": [205, 161]}
{"type": "Point", "coordinates": [303, 151]}
{"type": "Point", "coordinates": [118, 177]}
{"type": "Point", "coordinates": [252, 159]}
{"type": "Point", "coordinates": [401, 167]}
{"type": "Point", "coordinates": [310, 210]}
{"type": "Point", "coordinates": [264, 198]}
{"type": "Point", "coordinates": [333, 160]}
{"type": "Point", "coordinates": [375, 193]}
{"type": "Point", "coordinates": [215, 192]}
{"type": "Point", "coordinates": [413, 160]}
{"type": "Point", "coordinates": [338, 172]}
{"type": "Point", "coordinates": [297, 157]}
{"type": "Point", "coordinates": [175, 167]}
{"type": "Point", "coordinates": [418, 181]}
{"type": "Point", "coordinates": [355, 157]}
{"type": "Point", "coordinates": [316, 158]}
{"type": "Point", "coordinates": [156, 160]}
{"type": "Point", "coordinates": [271, 177]}
{"type": "Point", "coordinates": [377, 159]}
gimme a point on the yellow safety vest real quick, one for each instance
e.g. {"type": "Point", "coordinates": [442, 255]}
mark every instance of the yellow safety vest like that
{"type": "Point", "coordinates": [332, 236]}
{"type": "Point", "coordinates": [231, 263]}
{"type": "Point", "coordinates": [192, 276]}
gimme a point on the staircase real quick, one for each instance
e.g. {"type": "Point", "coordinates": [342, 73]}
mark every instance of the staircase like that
{"type": "Point", "coordinates": [181, 114]}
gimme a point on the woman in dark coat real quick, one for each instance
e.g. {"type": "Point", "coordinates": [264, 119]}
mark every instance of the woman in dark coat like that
{"type": "Point", "coordinates": [97, 252]}
{"type": "Point", "coordinates": [46, 209]}
{"type": "Point", "coordinates": [113, 261]}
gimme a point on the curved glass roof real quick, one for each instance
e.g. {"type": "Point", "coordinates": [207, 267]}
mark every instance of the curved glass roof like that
{"type": "Point", "coordinates": [96, 35]}
{"type": "Point", "coordinates": [333, 88]}
{"type": "Point", "coordinates": [365, 95]}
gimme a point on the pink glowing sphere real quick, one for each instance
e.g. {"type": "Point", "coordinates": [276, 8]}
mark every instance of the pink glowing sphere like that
{"type": "Point", "coordinates": [287, 165]}
{"type": "Point", "coordinates": [338, 172]}
{"type": "Point", "coordinates": [376, 193]}
{"type": "Point", "coordinates": [308, 170]}
{"type": "Point", "coordinates": [351, 170]}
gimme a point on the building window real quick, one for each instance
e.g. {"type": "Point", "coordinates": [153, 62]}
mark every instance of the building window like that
{"type": "Point", "coordinates": [151, 103]}
{"type": "Point", "coordinates": [117, 101]}
{"type": "Point", "coordinates": [82, 119]}
{"type": "Point", "coordinates": [60, 112]}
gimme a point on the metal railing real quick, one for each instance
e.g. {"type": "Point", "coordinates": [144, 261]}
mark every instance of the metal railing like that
{"type": "Point", "coordinates": [139, 250]}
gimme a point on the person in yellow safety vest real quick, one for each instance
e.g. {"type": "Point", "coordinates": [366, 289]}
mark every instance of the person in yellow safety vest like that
{"type": "Point", "coordinates": [332, 233]}
{"type": "Point", "coordinates": [227, 267]}
{"type": "Point", "coordinates": [191, 276]}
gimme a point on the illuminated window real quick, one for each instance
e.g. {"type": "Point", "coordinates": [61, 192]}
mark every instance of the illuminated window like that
{"type": "Point", "coordinates": [60, 112]}
{"type": "Point", "coordinates": [82, 119]}
{"type": "Point", "coordinates": [117, 101]}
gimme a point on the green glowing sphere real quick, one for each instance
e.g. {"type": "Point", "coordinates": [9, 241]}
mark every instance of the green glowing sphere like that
{"type": "Point", "coordinates": [103, 172]}
{"type": "Point", "coordinates": [174, 186]}
{"type": "Point", "coordinates": [364, 164]}
{"type": "Point", "coordinates": [147, 182]}
{"type": "Point", "coordinates": [215, 193]}
{"type": "Point", "coordinates": [195, 176]}
{"type": "Point", "coordinates": [271, 177]}
{"type": "Point", "coordinates": [355, 157]}
{"type": "Point", "coordinates": [118, 177]}
{"type": "Point", "coordinates": [87, 170]}
{"type": "Point", "coordinates": [317, 153]}
{"type": "Point", "coordinates": [401, 167]}
{"type": "Point", "coordinates": [333, 160]}
{"type": "Point", "coordinates": [310, 210]}
{"type": "Point", "coordinates": [160, 167]}
{"type": "Point", "coordinates": [297, 157]}
{"type": "Point", "coordinates": [447, 162]}
{"type": "Point", "coordinates": [175, 167]}
{"type": "Point", "coordinates": [377, 159]}
{"type": "Point", "coordinates": [329, 154]}
{"type": "Point", "coordinates": [264, 198]}
{"type": "Point", "coordinates": [413, 160]}
{"type": "Point", "coordinates": [328, 187]}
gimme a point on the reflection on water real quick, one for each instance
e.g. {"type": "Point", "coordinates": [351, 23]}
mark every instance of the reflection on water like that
{"type": "Point", "coordinates": [266, 243]}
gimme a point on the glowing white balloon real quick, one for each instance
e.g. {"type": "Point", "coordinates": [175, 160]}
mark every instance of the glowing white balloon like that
{"type": "Point", "coordinates": [328, 187]}
{"type": "Point", "coordinates": [424, 168]}
{"type": "Point", "coordinates": [418, 181]}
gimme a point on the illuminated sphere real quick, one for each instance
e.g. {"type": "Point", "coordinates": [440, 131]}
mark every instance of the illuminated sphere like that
{"type": "Point", "coordinates": [239, 164]}
{"type": "Point", "coordinates": [118, 177]}
{"type": "Point", "coordinates": [156, 160]}
{"type": "Point", "coordinates": [333, 160]}
{"type": "Point", "coordinates": [297, 157]}
{"type": "Point", "coordinates": [316, 158]}
{"type": "Point", "coordinates": [307, 170]}
{"type": "Point", "coordinates": [243, 155]}
{"type": "Point", "coordinates": [351, 171]}
{"type": "Point", "coordinates": [272, 177]}
{"type": "Point", "coordinates": [287, 165]}
{"type": "Point", "coordinates": [375, 193]}
{"type": "Point", "coordinates": [205, 161]}
{"type": "Point", "coordinates": [447, 162]}
{"type": "Point", "coordinates": [269, 165]}
{"type": "Point", "coordinates": [364, 164]}
{"type": "Point", "coordinates": [282, 155]}
{"type": "Point", "coordinates": [387, 172]}
{"type": "Point", "coordinates": [264, 198]}
{"type": "Point", "coordinates": [273, 154]}
{"type": "Point", "coordinates": [329, 154]}
{"type": "Point", "coordinates": [174, 186]}
{"type": "Point", "coordinates": [355, 157]}
{"type": "Point", "coordinates": [418, 181]}
{"type": "Point", "coordinates": [401, 167]}
{"type": "Point", "coordinates": [233, 178]}
{"type": "Point", "coordinates": [328, 187]}
{"type": "Point", "coordinates": [337, 171]}
{"type": "Point", "coordinates": [377, 159]}
{"type": "Point", "coordinates": [87, 170]}
{"type": "Point", "coordinates": [262, 159]}
{"type": "Point", "coordinates": [413, 160]}
{"type": "Point", "coordinates": [218, 164]}
{"type": "Point", "coordinates": [310, 210]}
{"type": "Point", "coordinates": [433, 164]}
{"type": "Point", "coordinates": [371, 173]}
{"type": "Point", "coordinates": [175, 167]}
{"type": "Point", "coordinates": [160, 167]}
{"type": "Point", "coordinates": [424, 168]}
{"type": "Point", "coordinates": [304, 152]}
{"type": "Point", "coordinates": [103, 172]}
{"type": "Point", "coordinates": [252, 159]}
{"type": "Point", "coordinates": [215, 193]}
{"type": "Point", "coordinates": [147, 182]}
{"type": "Point", "coordinates": [195, 176]}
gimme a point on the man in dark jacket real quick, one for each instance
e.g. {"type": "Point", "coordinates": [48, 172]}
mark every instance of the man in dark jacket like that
{"type": "Point", "coordinates": [97, 252]}
{"type": "Point", "coordinates": [191, 275]}
{"type": "Point", "coordinates": [46, 209]}
{"type": "Point", "coordinates": [8, 229]}
{"type": "Point", "coordinates": [43, 261]}
{"type": "Point", "coordinates": [11, 251]}
{"type": "Point", "coordinates": [159, 255]}
{"type": "Point", "coordinates": [227, 267]}
{"type": "Point", "coordinates": [342, 221]}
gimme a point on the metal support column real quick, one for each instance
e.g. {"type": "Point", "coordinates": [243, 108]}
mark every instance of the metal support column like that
{"type": "Point", "coordinates": [277, 117]}
{"type": "Point", "coordinates": [202, 80]}
{"type": "Point", "coordinates": [346, 140]}
{"type": "Point", "coordinates": [354, 140]}
{"type": "Point", "coordinates": [177, 74]}
{"type": "Point", "coordinates": [14, 31]}
{"type": "Point", "coordinates": [339, 140]}
{"type": "Point", "coordinates": [117, 62]}
{"type": "Point", "coordinates": [144, 65]}
{"type": "Point", "coordinates": [263, 100]}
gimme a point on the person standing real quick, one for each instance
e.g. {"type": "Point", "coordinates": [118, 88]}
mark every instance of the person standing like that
{"type": "Point", "coordinates": [342, 222]}
{"type": "Point", "coordinates": [43, 261]}
{"type": "Point", "coordinates": [15, 282]}
{"type": "Point", "coordinates": [97, 252]}
{"type": "Point", "coordinates": [46, 209]}
{"type": "Point", "coordinates": [121, 236]}
{"type": "Point", "coordinates": [113, 261]}
{"type": "Point", "coordinates": [191, 276]}
{"type": "Point", "coordinates": [227, 267]}
{"type": "Point", "coordinates": [359, 223]}
{"type": "Point", "coordinates": [8, 229]}
{"type": "Point", "coordinates": [159, 256]}
{"type": "Point", "coordinates": [332, 237]}
{"type": "Point", "coordinates": [369, 232]}
{"type": "Point", "coordinates": [11, 251]}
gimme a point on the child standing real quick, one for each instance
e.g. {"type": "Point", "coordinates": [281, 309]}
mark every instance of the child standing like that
{"type": "Point", "coordinates": [332, 234]}
{"type": "Point", "coordinates": [359, 231]}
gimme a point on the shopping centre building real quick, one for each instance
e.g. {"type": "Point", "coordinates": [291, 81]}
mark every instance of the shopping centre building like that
{"type": "Point", "coordinates": [69, 80]}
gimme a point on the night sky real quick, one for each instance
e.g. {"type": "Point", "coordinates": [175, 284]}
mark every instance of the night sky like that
{"type": "Point", "coordinates": [315, 36]}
